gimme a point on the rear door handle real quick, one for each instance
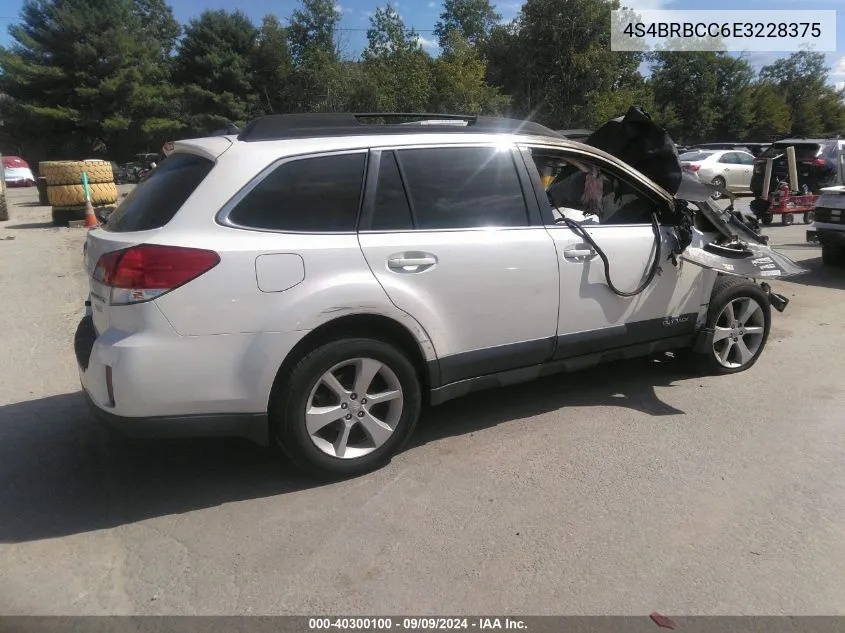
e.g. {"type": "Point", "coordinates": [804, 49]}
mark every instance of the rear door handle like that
{"type": "Point", "coordinates": [411, 262]}
{"type": "Point", "coordinates": [578, 253]}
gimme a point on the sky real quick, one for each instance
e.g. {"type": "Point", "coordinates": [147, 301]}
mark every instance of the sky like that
{"type": "Point", "coordinates": [422, 14]}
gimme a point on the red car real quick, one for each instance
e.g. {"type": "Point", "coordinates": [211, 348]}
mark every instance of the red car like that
{"type": "Point", "coordinates": [16, 172]}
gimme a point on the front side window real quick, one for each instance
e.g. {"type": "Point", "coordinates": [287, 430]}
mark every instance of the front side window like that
{"type": "Point", "coordinates": [462, 187]}
{"type": "Point", "coordinates": [312, 195]}
{"type": "Point", "coordinates": [583, 190]}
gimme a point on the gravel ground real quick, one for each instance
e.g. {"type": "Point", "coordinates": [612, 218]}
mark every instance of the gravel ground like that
{"type": "Point", "coordinates": [631, 488]}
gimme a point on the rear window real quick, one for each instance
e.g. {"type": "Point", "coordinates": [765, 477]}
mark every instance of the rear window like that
{"type": "Point", "coordinates": [155, 201]}
{"type": "Point", "coordinates": [313, 195]}
{"type": "Point", "coordinates": [695, 156]}
{"type": "Point", "coordinates": [802, 150]}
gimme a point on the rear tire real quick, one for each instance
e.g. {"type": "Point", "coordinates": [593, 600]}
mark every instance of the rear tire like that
{"type": "Point", "coordinates": [833, 255]}
{"type": "Point", "coordinates": [809, 217]}
{"type": "Point", "coordinates": [786, 219]}
{"type": "Point", "coordinates": [741, 316]}
{"type": "Point", "coordinates": [767, 218]}
{"type": "Point", "coordinates": [344, 435]}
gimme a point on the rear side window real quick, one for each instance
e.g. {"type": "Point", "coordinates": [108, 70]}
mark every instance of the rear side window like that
{"type": "Point", "coordinates": [695, 156]}
{"type": "Point", "coordinates": [802, 150]}
{"type": "Point", "coordinates": [155, 201]}
{"type": "Point", "coordinates": [465, 187]}
{"type": "Point", "coordinates": [313, 195]}
{"type": "Point", "coordinates": [832, 152]}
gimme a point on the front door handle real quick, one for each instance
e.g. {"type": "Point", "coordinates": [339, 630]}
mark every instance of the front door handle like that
{"type": "Point", "coordinates": [578, 253]}
{"type": "Point", "coordinates": [411, 262]}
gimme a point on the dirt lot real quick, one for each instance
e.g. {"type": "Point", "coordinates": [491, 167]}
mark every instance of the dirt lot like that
{"type": "Point", "coordinates": [632, 488]}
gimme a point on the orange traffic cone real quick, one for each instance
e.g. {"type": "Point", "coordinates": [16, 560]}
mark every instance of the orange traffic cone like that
{"type": "Point", "coordinates": [90, 218]}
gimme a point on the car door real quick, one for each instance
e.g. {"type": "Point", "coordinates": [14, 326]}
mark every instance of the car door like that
{"type": "Point", "coordinates": [744, 171]}
{"type": "Point", "coordinates": [449, 234]}
{"type": "Point", "coordinates": [615, 209]}
{"type": "Point", "coordinates": [729, 168]}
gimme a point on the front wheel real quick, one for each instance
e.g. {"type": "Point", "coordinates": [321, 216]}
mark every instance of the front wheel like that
{"type": "Point", "coordinates": [767, 218]}
{"type": "Point", "coordinates": [740, 316]}
{"type": "Point", "coordinates": [347, 407]}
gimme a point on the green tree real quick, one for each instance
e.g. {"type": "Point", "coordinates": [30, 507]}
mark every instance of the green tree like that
{"type": "Point", "coordinates": [159, 25]}
{"type": "Point", "coordinates": [313, 25]}
{"type": "Point", "coordinates": [472, 19]}
{"type": "Point", "coordinates": [86, 77]}
{"type": "Point", "coordinates": [397, 71]}
{"type": "Point", "coordinates": [770, 114]}
{"type": "Point", "coordinates": [687, 82]}
{"type": "Point", "coordinates": [831, 106]}
{"type": "Point", "coordinates": [214, 68]}
{"type": "Point", "coordinates": [459, 81]}
{"type": "Point", "coordinates": [609, 104]}
{"type": "Point", "coordinates": [317, 83]}
{"type": "Point", "coordinates": [803, 79]}
{"type": "Point", "coordinates": [555, 54]}
{"type": "Point", "coordinates": [734, 76]}
{"type": "Point", "coordinates": [273, 66]}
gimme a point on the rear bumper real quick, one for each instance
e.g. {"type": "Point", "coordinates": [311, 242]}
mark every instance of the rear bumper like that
{"type": "Point", "coordinates": [159, 384]}
{"type": "Point", "coordinates": [252, 426]}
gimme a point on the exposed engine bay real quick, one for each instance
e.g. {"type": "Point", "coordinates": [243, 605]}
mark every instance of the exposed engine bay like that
{"type": "Point", "coordinates": [739, 250]}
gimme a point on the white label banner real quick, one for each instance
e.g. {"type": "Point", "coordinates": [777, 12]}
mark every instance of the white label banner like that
{"type": "Point", "coordinates": [732, 31]}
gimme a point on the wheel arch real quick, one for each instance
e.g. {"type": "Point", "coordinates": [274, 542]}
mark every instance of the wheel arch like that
{"type": "Point", "coordinates": [374, 326]}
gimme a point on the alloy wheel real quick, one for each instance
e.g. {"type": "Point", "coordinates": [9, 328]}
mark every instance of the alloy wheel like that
{"type": "Point", "coordinates": [739, 332]}
{"type": "Point", "coordinates": [354, 408]}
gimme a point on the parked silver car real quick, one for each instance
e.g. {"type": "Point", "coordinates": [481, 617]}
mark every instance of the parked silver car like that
{"type": "Point", "coordinates": [729, 169]}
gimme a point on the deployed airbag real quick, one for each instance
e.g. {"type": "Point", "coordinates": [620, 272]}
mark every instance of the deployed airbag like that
{"type": "Point", "coordinates": [644, 145]}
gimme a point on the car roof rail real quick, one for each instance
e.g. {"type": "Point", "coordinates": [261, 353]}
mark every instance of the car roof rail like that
{"type": "Point", "coordinates": [285, 126]}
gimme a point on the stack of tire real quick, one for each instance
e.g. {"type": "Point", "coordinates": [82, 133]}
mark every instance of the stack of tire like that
{"type": "Point", "coordinates": [66, 193]}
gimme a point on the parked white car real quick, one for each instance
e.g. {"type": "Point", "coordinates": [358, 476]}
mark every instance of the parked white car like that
{"type": "Point", "coordinates": [19, 177]}
{"type": "Point", "coordinates": [314, 281]}
{"type": "Point", "coordinates": [728, 169]}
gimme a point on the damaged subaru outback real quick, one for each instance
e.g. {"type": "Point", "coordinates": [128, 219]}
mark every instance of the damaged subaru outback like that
{"type": "Point", "coordinates": [313, 281]}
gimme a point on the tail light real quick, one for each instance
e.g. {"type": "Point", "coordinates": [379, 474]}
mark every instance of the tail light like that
{"type": "Point", "coordinates": [144, 272]}
{"type": "Point", "coordinates": [692, 167]}
{"type": "Point", "coordinates": [815, 162]}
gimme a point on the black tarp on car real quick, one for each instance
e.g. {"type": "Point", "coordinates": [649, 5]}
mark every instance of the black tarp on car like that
{"type": "Point", "coordinates": [644, 145]}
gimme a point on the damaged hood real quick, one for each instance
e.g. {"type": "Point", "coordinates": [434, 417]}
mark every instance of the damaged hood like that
{"type": "Point", "coordinates": [739, 250]}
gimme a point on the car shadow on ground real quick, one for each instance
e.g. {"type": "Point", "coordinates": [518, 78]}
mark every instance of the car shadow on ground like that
{"type": "Point", "coordinates": [629, 384]}
{"type": "Point", "coordinates": [819, 274]}
{"type": "Point", "coordinates": [62, 473]}
{"type": "Point", "coordinates": [32, 225]}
